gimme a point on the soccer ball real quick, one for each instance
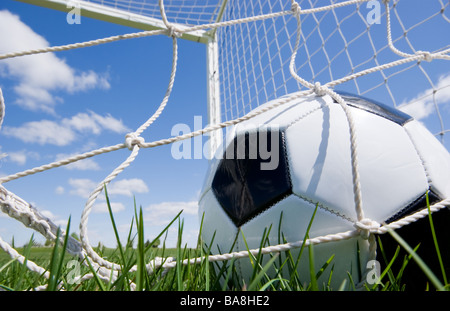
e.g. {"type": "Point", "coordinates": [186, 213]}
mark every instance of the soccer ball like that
{"type": "Point", "coordinates": [278, 168]}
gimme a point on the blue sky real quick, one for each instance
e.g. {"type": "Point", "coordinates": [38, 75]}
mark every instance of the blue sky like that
{"type": "Point", "coordinates": [76, 101]}
{"type": "Point", "coordinates": [65, 103]}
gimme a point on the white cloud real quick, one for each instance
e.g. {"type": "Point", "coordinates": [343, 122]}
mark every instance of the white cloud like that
{"type": "Point", "coordinates": [103, 208]}
{"type": "Point", "coordinates": [164, 212]}
{"type": "Point", "coordinates": [42, 132]}
{"type": "Point", "coordinates": [19, 158]}
{"type": "Point", "coordinates": [82, 122]}
{"type": "Point", "coordinates": [82, 186]}
{"type": "Point", "coordinates": [59, 190]}
{"type": "Point", "coordinates": [128, 187]}
{"type": "Point", "coordinates": [109, 123]}
{"type": "Point", "coordinates": [423, 104]}
{"type": "Point", "coordinates": [39, 75]}
{"type": "Point", "coordinates": [94, 123]}
{"type": "Point", "coordinates": [65, 131]}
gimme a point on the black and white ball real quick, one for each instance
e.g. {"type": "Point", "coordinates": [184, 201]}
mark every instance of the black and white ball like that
{"type": "Point", "coordinates": [292, 158]}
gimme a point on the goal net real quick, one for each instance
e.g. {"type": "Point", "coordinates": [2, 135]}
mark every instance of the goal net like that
{"type": "Point", "coordinates": [395, 52]}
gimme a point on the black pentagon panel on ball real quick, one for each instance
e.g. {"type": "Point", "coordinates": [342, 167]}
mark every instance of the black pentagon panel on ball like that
{"type": "Point", "coordinates": [252, 175]}
{"type": "Point", "coordinates": [377, 108]}
{"type": "Point", "coordinates": [415, 206]}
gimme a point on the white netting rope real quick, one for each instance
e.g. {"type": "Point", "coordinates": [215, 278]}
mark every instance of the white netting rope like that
{"type": "Point", "coordinates": [15, 207]}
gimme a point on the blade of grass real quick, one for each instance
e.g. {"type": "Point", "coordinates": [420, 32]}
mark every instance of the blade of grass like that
{"type": "Point", "coordinates": [179, 267]}
{"type": "Point", "coordinates": [387, 270]}
{"type": "Point", "coordinates": [99, 282]}
{"type": "Point", "coordinates": [229, 273]}
{"type": "Point", "coordinates": [22, 268]}
{"type": "Point", "coordinates": [141, 269]}
{"type": "Point", "coordinates": [306, 237]}
{"type": "Point", "coordinates": [312, 272]}
{"type": "Point", "coordinates": [6, 288]}
{"type": "Point", "coordinates": [258, 259]}
{"type": "Point", "coordinates": [281, 239]}
{"type": "Point", "coordinates": [251, 257]}
{"type": "Point", "coordinates": [436, 245]}
{"type": "Point", "coordinates": [324, 267]}
{"type": "Point", "coordinates": [433, 279]}
{"type": "Point", "coordinates": [396, 282]}
{"type": "Point", "coordinates": [311, 255]}
{"type": "Point", "coordinates": [262, 273]}
{"type": "Point", "coordinates": [163, 231]}
{"type": "Point", "coordinates": [343, 285]}
{"type": "Point", "coordinates": [113, 222]}
{"type": "Point", "coordinates": [270, 282]}
{"type": "Point", "coordinates": [351, 285]}
{"type": "Point", "coordinates": [57, 259]}
{"type": "Point", "coordinates": [7, 264]}
{"type": "Point", "coordinates": [205, 263]}
{"type": "Point", "coordinates": [125, 262]}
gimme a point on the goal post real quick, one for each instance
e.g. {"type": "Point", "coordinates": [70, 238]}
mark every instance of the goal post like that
{"type": "Point", "coordinates": [213, 90]}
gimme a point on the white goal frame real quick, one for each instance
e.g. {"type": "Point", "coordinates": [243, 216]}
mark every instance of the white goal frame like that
{"type": "Point", "coordinates": [19, 209]}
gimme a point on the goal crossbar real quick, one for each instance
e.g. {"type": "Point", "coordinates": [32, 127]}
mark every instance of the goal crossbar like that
{"type": "Point", "coordinates": [116, 16]}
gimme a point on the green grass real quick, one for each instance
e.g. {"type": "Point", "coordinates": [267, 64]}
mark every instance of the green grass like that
{"type": "Point", "coordinates": [205, 276]}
